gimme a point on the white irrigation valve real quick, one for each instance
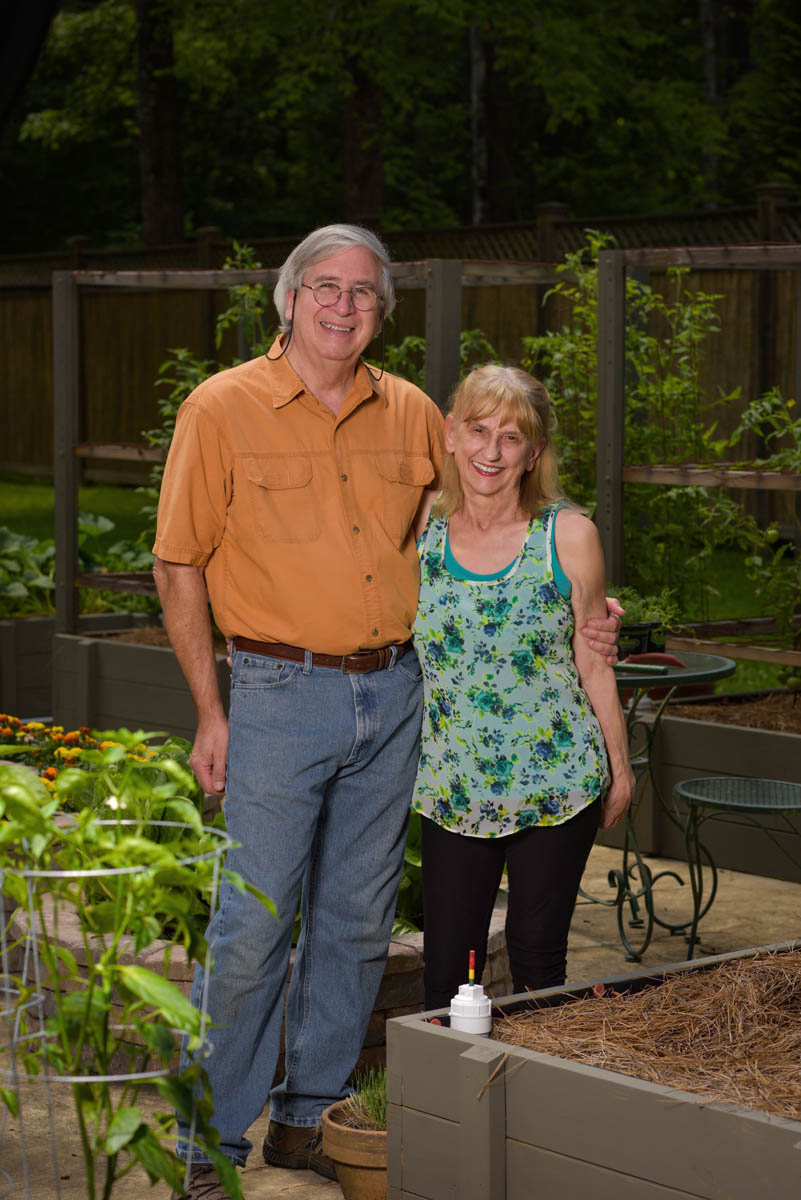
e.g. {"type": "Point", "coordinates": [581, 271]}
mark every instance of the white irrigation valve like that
{"type": "Point", "coordinates": [471, 1007]}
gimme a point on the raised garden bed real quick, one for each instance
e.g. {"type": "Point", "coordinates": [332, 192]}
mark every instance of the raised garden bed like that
{"type": "Point", "coordinates": [108, 683]}
{"type": "Point", "coordinates": [26, 657]}
{"type": "Point", "coordinates": [474, 1117]}
{"type": "Point", "coordinates": [723, 737]}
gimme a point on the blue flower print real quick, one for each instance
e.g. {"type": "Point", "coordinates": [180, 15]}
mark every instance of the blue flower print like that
{"type": "Point", "coordinates": [509, 739]}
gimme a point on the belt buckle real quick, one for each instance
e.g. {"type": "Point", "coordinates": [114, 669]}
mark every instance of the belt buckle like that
{"type": "Point", "coordinates": [359, 654]}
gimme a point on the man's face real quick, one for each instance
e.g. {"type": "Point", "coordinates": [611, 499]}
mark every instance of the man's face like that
{"type": "Point", "coordinates": [341, 332]}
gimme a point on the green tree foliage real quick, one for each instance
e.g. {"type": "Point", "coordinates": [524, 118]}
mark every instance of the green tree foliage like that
{"type": "Point", "coordinates": [382, 110]}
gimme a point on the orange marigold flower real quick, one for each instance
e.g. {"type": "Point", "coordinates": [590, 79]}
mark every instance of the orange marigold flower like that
{"type": "Point", "coordinates": [6, 731]}
{"type": "Point", "coordinates": [50, 773]}
{"type": "Point", "coordinates": [71, 738]}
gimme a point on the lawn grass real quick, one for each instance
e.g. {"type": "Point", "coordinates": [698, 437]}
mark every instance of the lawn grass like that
{"type": "Point", "coordinates": [27, 507]}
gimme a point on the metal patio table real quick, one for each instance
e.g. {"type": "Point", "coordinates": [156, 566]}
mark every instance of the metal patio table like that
{"type": "Point", "coordinates": [633, 880]}
{"type": "Point", "coordinates": [719, 795]}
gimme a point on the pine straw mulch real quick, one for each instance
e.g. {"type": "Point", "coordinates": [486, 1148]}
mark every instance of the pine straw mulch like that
{"type": "Point", "coordinates": [781, 712]}
{"type": "Point", "coordinates": [730, 1033]}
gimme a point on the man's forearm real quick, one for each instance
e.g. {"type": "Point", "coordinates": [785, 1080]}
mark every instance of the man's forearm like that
{"type": "Point", "coordinates": [182, 592]}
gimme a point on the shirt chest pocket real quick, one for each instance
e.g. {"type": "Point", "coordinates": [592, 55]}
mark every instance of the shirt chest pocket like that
{"type": "Point", "coordinates": [402, 478]}
{"type": "Point", "coordinates": [279, 497]}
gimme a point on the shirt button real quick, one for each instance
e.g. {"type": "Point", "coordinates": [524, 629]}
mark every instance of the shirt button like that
{"type": "Point", "coordinates": [375, 633]}
{"type": "Point", "coordinates": [344, 478]}
{"type": "Point", "coordinates": [369, 578]}
{"type": "Point", "coordinates": [355, 528]}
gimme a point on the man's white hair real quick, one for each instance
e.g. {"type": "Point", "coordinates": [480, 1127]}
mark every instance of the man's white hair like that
{"type": "Point", "coordinates": [325, 243]}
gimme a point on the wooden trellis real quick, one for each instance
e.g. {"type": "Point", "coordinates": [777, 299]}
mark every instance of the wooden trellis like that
{"type": "Point", "coordinates": [612, 470]}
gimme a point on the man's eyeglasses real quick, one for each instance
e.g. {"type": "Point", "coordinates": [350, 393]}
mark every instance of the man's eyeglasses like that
{"type": "Point", "coordinates": [327, 295]}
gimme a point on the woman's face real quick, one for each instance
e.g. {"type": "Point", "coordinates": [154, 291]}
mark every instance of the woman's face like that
{"type": "Point", "coordinates": [491, 455]}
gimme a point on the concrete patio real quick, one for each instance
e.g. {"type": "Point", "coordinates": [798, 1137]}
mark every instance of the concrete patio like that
{"type": "Point", "coordinates": [749, 911]}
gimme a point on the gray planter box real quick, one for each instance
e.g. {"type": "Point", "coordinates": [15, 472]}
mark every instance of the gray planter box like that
{"type": "Point", "coordinates": [26, 658]}
{"type": "Point", "coordinates": [109, 685]}
{"type": "Point", "coordinates": [546, 1128]}
{"type": "Point", "coordinates": [687, 749]}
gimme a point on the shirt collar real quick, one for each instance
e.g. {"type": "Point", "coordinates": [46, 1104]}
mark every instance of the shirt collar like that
{"type": "Point", "coordinates": [285, 385]}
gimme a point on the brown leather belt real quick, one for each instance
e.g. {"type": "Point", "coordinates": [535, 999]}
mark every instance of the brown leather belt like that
{"type": "Point", "coordinates": [358, 663]}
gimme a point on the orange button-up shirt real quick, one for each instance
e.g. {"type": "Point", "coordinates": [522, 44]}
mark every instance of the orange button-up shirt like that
{"type": "Point", "coordinates": [301, 519]}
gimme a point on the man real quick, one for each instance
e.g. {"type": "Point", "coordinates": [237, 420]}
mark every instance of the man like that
{"type": "Point", "coordinates": [290, 493]}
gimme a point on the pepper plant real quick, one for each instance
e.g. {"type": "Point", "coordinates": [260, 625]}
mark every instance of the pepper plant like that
{"type": "Point", "coordinates": [107, 905]}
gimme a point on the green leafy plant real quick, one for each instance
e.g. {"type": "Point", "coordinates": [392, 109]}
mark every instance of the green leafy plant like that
{"type": "Point", "coordinates": [660, 609]}
{"type": "Point", "coordinates": [407, 358]}
{"type": "Point", "coordinates": [26, 574]}
{"type": "Point", "coordinates": [366, 1107]}
{"type": "Point", "coordinates": [27, 570]}
{"type": "Point", "coordinates": [128, 887]}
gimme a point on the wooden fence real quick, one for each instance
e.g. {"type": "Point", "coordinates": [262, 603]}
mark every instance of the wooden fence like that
{"type": "Point", "coordinates": [126, 336]}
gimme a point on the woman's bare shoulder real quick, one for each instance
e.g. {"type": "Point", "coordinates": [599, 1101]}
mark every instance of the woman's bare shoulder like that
{"type": "Point", "coordinates": [574, 530]}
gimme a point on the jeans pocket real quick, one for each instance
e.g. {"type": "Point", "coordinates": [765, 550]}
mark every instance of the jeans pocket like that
{"type": "Point", "coordinates": [258, 672]}
{"type": "Point", "coordinates": [409, 666]}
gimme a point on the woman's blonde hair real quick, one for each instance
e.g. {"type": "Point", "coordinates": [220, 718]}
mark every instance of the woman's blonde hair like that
{"type": "Point", "coordinates": [517, 397]}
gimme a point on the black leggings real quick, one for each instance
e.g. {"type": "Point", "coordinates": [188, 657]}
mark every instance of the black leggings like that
{"type": "Point", "coordinates": [461, 876]}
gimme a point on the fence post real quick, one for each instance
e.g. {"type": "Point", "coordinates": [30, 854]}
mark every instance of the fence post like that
{"type": "Point", "coordinates": [771, 197]}
{"type": "Point", "coordinates": [208, 236]}
{"type": "Point", "coordinates": [549, 217]}
{"type": "Point", "coordinates": [611, 408]}
{"type": "Point", "coordinates": [443, 327]}
{"type": "Point", "coordinates": [66, 426]}
{"type": "Point", "coordinates": [78, 245]}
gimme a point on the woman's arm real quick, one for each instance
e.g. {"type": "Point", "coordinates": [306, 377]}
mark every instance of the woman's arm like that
{"type": "Point", "coordinates": [578, 547]}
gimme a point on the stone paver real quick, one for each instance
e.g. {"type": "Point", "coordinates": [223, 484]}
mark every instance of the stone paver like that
{"type": "Point", "coordinates": [748, 911]}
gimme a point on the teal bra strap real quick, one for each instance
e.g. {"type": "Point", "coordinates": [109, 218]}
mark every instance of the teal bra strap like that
{"type": "Point", "coordinates": [560, 579]}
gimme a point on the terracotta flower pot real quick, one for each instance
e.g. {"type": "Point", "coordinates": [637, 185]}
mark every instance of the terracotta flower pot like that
{"type": "Point", "coordinates": [360, 1156]}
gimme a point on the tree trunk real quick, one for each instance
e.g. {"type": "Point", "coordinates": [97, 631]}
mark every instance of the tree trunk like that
{"type": "Point", "coordinates": [363, 163]}
{"type": "Point", "coordinates": [159, 139]}
{"type": "Point", "coordinates": [478, 127]}
{"type": "Point", "coordinates": [710, 19]}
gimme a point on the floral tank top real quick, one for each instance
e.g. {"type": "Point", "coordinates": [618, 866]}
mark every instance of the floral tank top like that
{"type": "Point", "coordinates": [509, 737]}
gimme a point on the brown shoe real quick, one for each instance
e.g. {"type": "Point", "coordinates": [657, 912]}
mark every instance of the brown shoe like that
{"type": "Point", "coordinates": [204, 1184]}
{"type": "Point", "coordinates": [297, 1147]}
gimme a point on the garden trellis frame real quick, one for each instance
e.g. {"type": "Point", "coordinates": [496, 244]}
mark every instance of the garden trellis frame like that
{"type": "Point", "coordinates": [612, 471]}
{"type": "Point", "coordinates": [442, 279]}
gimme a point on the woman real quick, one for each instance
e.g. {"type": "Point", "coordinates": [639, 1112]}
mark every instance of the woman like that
{"type": "Point", "coordinates": [524, 748]}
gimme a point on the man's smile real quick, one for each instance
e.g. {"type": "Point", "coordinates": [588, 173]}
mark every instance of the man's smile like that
{"type": "Point", "coordinates": [337, 328]}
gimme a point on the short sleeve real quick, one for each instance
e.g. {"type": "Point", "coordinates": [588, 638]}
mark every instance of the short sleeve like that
{"type": "Point", "coordinates": [436, 443]}
{"type": "Point", "coordinates": [195, 491]}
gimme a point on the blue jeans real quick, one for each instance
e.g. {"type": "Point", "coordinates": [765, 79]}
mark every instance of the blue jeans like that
{"type": "Point", "coordinates": [321, 768]}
